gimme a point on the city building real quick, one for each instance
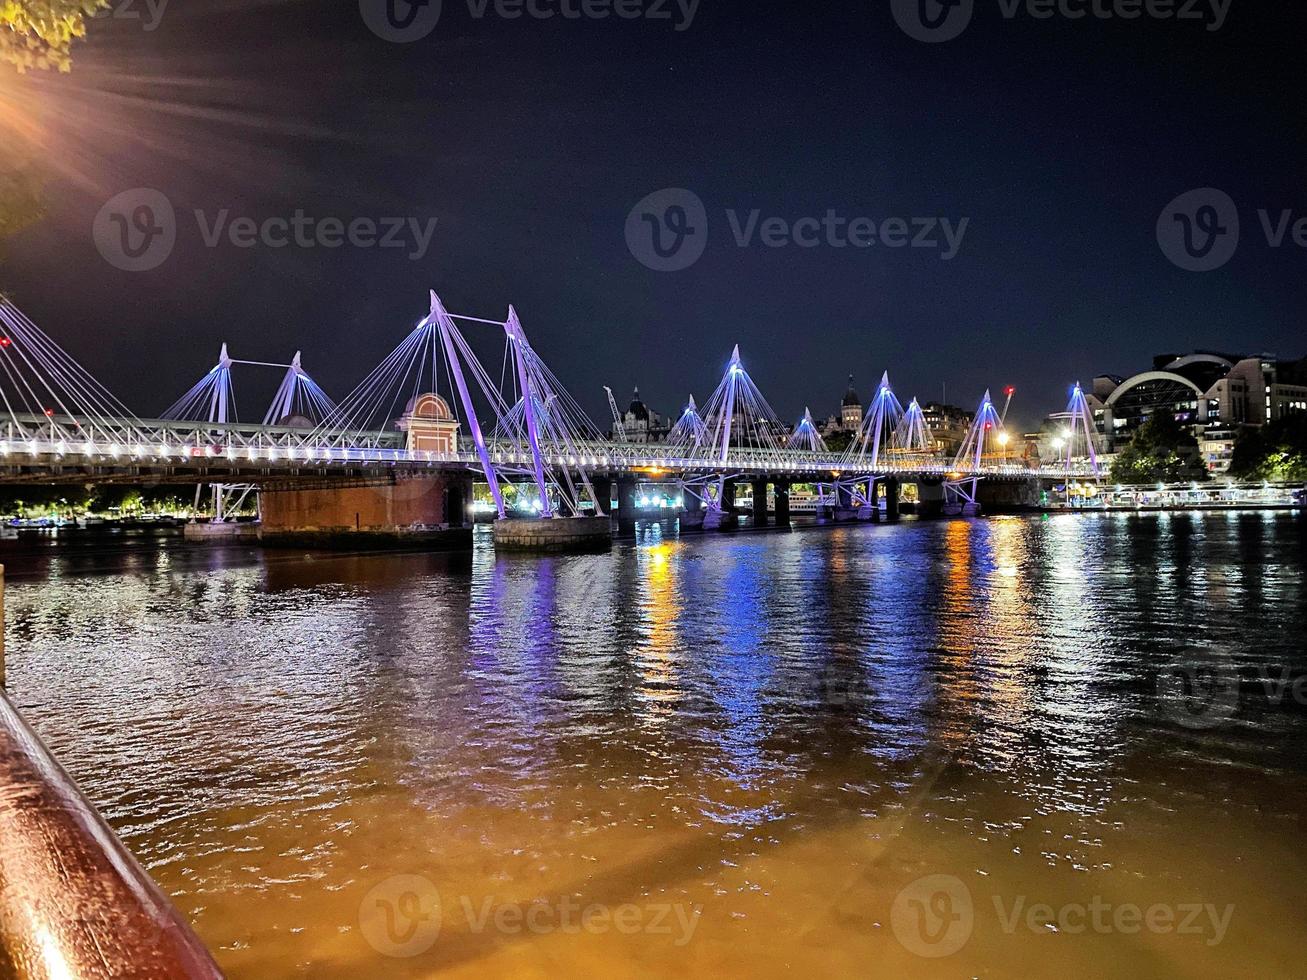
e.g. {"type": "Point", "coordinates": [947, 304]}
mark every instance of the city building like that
{"type": "Point", "coordinates": [849, 419]}
{"type": "Point", "coordinates": [851, 409]}
{"type": "Point", "coordinates": [1216, 395]}
{"type": "Point", "coordinates": [948, 426]}
{"type": "Point", "coordinates": [642, 424]}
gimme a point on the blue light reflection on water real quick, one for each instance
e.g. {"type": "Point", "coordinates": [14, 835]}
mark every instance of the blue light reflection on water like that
{"type": "Point", "coordinates": [967, 672]}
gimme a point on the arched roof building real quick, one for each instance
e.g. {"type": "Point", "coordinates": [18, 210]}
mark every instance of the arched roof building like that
{"type": "Point", "coordinates": [1208, 391]}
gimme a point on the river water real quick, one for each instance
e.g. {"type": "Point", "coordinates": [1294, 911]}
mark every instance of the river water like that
{"type": "Point", "coordinates": [1027, 747]}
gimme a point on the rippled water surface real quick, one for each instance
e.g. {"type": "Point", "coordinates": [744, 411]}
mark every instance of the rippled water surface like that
{"type": "Point", "coordinates": [727, 756]}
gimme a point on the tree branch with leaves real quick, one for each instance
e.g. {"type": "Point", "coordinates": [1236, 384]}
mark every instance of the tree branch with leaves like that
{"type": "Point", "coordinates": [39, 34]}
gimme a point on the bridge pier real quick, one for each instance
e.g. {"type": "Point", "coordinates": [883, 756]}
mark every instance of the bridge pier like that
{"type": "Point", "coordinates": [424, 511]}
{"type": "Point", "coordinates": [760, 503]}
{"type": "Point", "coordinates": [782, 505]}
{"type": "Point", "coordinates": [930, 498]}
{"type": "Point", "coordinates": [869, 512]}
{"type": "Point", "coordinates": [999, 496]}
{"type": "Point", "coordinates": [691, 519]}
{"type": "Point", "coordinates": [626, 507]}
{"type": "Point", "coordinates": [603, 487]}
{"type": "Point", "coordinates": [726, 518]}
{"type": "Point", "coordinates": [844, 509]}
{"type": "Point", "coordinates": [554, 534]}
{"type": "Point", "coordinates": [889, 511]}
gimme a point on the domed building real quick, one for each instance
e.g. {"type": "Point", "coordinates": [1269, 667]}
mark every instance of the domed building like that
{"type": "Point", "coordinates": [851, 408]}
{"type": "Point", "coordinates": [642, 424]}
{"type": "Point", "coordinates": [849, 419]}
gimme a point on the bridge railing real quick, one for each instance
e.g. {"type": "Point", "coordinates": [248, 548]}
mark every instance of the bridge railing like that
{"type": "Point", "coordinates": [172, 443]}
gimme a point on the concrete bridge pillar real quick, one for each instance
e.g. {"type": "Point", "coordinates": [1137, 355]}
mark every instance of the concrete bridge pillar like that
{"type": "Point", "coordinates": [691, 517]}
{"type": "Point", "coordinates": [727, 517]}
{"type": "Point", "coordinates": [626, 506]}
{"type": "Point", "coordinates": [844, 509]}
{"type": "Point", "coordinates": [1008, 495]}
{"type": "Point", "coordinates": [930, 498]}
{"type": "Point", "coordinates": [603, 487]}
{"type": "Point", "coordinates": [418, 511]}
{"type": "Point", "coordinates": [782, 505]}
{"type": "Point", "coordinates": [869, 512]}
{"type": "Point", "coordinates": [890, 508]}
{"type": "Point", "coordinates": [760, 503]}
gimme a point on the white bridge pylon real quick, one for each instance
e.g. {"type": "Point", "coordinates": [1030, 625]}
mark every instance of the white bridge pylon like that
{"type": "Point", "coordinates": [299, 401]}
{"type": "Point", "coordinates": [213, 397]}
{"type": "Point", "coordinates": [532, 427]}
{"type": "Point", "coordinates": [55, 415]}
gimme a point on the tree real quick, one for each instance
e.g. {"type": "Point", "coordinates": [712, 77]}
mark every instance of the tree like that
{"type": "Point", "coordinates": [1277, 451]}
{"type": "Point", "coordinates": [839, 440]}
{"type": "Point", "coordinates": [1162, 451]}
{"type": "Point", "coordinates": [39, 34]}
{"type": "Point", "coordinates": [34, 35]}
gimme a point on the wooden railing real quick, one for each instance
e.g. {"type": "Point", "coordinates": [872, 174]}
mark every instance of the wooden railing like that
{"type": "Point", "coordinates": [74, 903]}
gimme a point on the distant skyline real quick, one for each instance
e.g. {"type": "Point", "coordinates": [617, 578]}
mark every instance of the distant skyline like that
{"type": "Point", "coordinates": [517, 156]}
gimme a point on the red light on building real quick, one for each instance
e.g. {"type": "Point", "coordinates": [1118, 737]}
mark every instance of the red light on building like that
{"type": "Point", "coordinates": [49, 413]}
{"type": "Point", "coordinates": [1009, 391]}
{"type": "Point", "coordinates": [5, 341]}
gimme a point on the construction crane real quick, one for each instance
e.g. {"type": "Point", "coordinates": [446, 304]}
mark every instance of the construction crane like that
{"type": "Point", "coordinates": [619, 431]}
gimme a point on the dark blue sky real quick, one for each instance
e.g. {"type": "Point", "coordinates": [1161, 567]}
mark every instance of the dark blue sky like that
{"type": "Point", "coordinates": [530, 141]}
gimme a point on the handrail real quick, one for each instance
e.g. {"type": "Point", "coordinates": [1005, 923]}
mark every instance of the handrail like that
{"type": "Point", "coordinates": [73, 901]}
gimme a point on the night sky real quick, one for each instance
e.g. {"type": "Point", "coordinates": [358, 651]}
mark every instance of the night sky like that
{"type": "Point", "coordinates": [531, 141]}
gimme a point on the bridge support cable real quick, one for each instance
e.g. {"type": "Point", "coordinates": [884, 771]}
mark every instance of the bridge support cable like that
{"type": "Point", "coordinates": [688, 433]}
{"type": "Point", "coordinates": [47, 396]}
{"type": "Point", "coordinates": [806, 437]}
{"type": "Point", "coordinates": [1078, 438]}
{"type": "Point", "coordinates": [372, 410]}
{"type": "Point", "coordinates": [875, 438]}
{"type": "Point", "coordinates": [913, 436]}
{"type": "Point", "coordinates": [298, 396]}
{"type": "Point", "coordinates": [211, 399]}
{"type": "Point", "coordinates": [737, 417]}
{"type": "Point", "coordinates": [552, 423]}
{"type": "Point", "coordinates": [985, 448]}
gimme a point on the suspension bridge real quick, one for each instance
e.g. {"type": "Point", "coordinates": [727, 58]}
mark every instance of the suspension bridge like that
{"type": "Point", "coordinates": [432, 407]}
